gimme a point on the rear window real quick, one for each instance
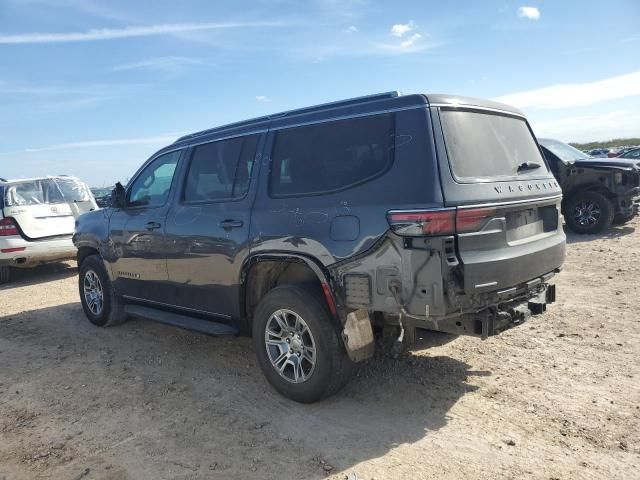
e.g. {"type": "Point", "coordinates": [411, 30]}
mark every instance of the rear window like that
{"type": "Point", "coordinates": [331, 156]}
{"type": "Point", "coordinates": [45, 191]}
{"type": "Point", "coordinates": [484, 146]}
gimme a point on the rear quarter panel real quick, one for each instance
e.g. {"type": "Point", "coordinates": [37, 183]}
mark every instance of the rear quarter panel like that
{"type": "Point", "coordinates": [336, 226]}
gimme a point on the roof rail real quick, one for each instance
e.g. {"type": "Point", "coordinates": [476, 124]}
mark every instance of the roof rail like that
{"type": "Point", "coordinates": [297, 111]}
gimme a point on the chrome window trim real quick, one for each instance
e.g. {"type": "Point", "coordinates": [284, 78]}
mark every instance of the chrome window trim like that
{"type": "Point", "coordinates": [480, 205]}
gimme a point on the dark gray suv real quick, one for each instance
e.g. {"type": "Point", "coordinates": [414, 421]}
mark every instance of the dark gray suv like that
{"type": "Point", "coordinates": [312, 229]}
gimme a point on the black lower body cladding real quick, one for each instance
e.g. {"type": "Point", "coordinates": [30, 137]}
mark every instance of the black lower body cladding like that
{"type": "Point", "coordinates": [424, 281]}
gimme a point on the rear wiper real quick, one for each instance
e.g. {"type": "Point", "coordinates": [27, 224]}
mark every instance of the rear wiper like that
{"type": "Point", "coordinates": [528, 166]}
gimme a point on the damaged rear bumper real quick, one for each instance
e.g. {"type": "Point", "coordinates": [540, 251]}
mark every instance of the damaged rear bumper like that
{"type": "Point", "coordinates": [494, 319]}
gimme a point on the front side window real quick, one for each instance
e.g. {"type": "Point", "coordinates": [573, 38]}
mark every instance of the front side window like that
{"type": "Point", "coordinates": [489, 147]}
{"type": "Point", "coordinates": [151, 188]}
{"type": "Point", "coordinates": [331, 156]}
{"type": "Point", "coordinates": [220, 170]}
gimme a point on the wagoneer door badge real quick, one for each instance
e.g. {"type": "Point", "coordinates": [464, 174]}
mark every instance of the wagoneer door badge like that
{"type": "Point", "coordinates": [128, 274]}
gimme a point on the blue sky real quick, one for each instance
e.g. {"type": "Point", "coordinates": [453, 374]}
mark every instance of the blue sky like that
{"type": "Point", "coordinates": [92, 88]}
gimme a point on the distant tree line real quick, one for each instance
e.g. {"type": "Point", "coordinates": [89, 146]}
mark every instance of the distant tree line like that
{"type": "Point", "coordinates": [616, 142]}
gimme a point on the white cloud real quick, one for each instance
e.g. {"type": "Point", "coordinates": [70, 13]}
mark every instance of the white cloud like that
{"type": "Point", "coordinates": [165, 64]}
{"type": "Point", "coordinates": [399, 29]}
{"type": "Point", "coordinates": [351, 29]}
{"type": "Point", "coordinates": [532, 13]}
{"type": "Point", "coordinates": [125, 32]}
{"type": "Point", "coordinates": [411, 41]}
{"type": "Point", "coordinates": [158, 140]}
{"type": "Point", "coordinates": [588, 128]}
{"type": "Point", "coordinates": [262, 98]}
{"type": "Point", "coordinates": [576, 94]}
{"type": "Point", "coordinates": [413, 44]}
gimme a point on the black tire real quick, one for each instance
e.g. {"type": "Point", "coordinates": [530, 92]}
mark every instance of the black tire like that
{"type": "Point", "coordinates": [332, 369]}
{"type": "Point", "coordinates": [5, 274]}
{"type": "Point", "coordinates": [112, 311]}
{"type": "Point", "coordinates": [622, 219]}
{"type": "Point", "coordinates": [589, 212]}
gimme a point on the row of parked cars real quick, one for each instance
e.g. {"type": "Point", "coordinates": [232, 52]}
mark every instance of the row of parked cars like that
{"type": "Point", "coordinates": [313, 229]}
{"type": "Point", "coordinates": [612, 153]}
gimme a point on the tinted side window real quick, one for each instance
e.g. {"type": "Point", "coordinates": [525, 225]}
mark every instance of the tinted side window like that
{"type": "Point", "coordinates": [152, 186]}
{"type": "Point", "coordinates": [221, 170]}
{"type": "Point", "coordinates": [331, 156]}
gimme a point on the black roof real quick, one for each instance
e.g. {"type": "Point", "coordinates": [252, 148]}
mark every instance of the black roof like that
{"type": "Point", "coordinates": [343, 108]}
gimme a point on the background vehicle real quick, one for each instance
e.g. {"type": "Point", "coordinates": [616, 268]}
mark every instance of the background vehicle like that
{"type": "Point", "coordinates": [597, 193]}
{"type": "Point", "coordinates": [633, 154]}
{"type": "Point", "coordinates": [37, 218]}
{"type": "Point", "coordinates": [310, 228]}
{"type": "Point", "coordinates": [598, 153]}
{"type": "Point", "coordinates": [102, 195]}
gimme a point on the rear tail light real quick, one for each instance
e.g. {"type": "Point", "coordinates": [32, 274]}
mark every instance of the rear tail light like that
{"type": "Point", "coordinates": [426, 222]}
{"type": "Point", "coordinates": [439, 222]}
{"type": "Point", "coordinates": [8, 227]}
{"type": "Point", "coordinates": [473, 219]}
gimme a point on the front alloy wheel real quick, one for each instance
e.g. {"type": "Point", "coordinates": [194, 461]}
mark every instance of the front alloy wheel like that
{"type": "Point", "coordinates": [93, 293]}
{"type": "Point", "coordinates": [589, 212]}
{"type": "Point", "coordinates": [99, 301]}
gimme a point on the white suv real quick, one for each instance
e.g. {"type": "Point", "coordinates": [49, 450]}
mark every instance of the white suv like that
{"type": "Point", "coordinates": [37, 218]}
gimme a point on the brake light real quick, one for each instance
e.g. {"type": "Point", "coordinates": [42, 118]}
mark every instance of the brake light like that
{"type": "Point", "coordinates": [472, 219]}
{"type": "Point", "coordinates": [8, 227]}
{"type": "Point", "coordinates": [427, 222]}
{"type": "Point", "coordinates": [439, 222]}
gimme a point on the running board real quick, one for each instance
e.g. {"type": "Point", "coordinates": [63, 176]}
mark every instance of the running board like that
{"type": "Point", "coordinates": [182, 321]}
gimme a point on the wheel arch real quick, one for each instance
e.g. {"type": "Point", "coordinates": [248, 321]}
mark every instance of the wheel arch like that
{"type": "Point", "coordinates": [262, 272]}
{"type": "Point", "coordinates": [84, 252]}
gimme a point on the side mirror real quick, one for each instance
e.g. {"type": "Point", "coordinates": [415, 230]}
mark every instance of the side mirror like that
{"type": "Point", "coordinates": [118, 196]}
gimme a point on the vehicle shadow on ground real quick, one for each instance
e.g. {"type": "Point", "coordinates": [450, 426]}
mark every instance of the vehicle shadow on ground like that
{"type": "Point", "coordinates": [21, 277]}
{"type": "Point", "coordinates": [613, 232]}
{"type": "Point", "coordinates": [204, 400]}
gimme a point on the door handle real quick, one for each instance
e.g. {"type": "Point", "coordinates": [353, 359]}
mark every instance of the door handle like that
{"type": "Point", "coordinates": [231, 224]}
{"type": "Point", "coordinates": [150, 226]}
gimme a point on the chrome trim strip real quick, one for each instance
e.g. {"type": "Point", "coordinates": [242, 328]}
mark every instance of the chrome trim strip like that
{"type": "Point", "coordinates": [513, 202]}
{"type": "Point", "coordinates": [475, 107]}
{"type": "Point", "coordinates": [129, 297]}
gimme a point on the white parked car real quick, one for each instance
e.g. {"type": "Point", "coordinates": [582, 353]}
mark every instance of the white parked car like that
{"type": "Point", "coordinates": [37, 218]}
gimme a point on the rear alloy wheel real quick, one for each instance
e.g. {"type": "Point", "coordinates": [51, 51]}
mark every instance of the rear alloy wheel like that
{"type": "Point", "coordinates": [589, 212]}
{"type": "Point", "coordinates": [5, 274]}
{"type": "Point", "coordinates": [298, 345]}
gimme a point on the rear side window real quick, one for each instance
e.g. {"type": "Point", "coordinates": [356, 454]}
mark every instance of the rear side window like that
{"type": "Point", "coordinates": [24, 194]}
{"type": "Point", "coordinates": [484, 146]}
{"type": "Point", "coordinates": [331, 156]}
{"type": "Point", "coordinates": [221, 170]}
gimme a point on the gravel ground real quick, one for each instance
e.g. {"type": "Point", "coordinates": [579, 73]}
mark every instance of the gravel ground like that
{"type": "Point", "coordinates": [556, 398]}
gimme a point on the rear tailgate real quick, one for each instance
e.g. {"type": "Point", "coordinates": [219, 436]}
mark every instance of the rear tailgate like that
{"type": "Point", "coordinates": [508, 202]}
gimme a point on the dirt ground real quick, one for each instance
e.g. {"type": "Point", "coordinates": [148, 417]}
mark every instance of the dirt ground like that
{"type": "Point", "coordinates": [556, 398]}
